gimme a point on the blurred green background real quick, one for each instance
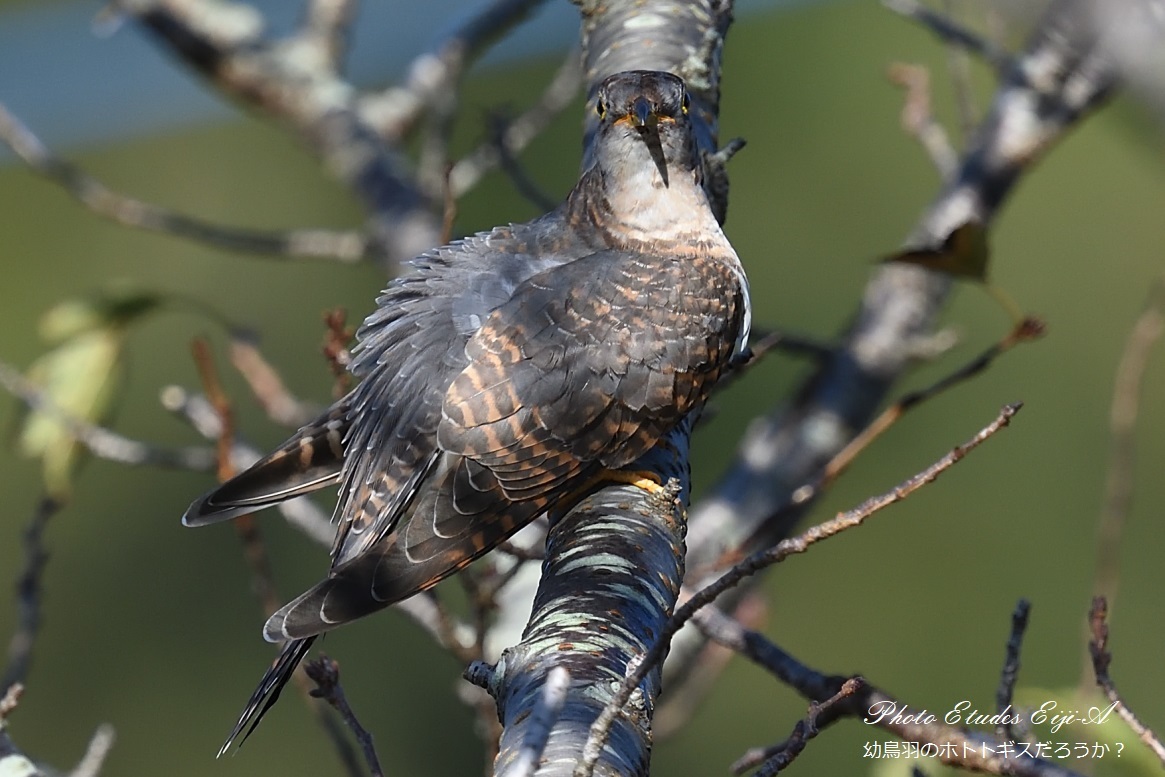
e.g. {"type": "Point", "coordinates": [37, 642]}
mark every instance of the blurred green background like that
{"type": "Point", "coordinates": [152, 627]}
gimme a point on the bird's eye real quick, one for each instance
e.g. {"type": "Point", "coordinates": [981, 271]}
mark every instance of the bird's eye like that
{"type": "Point", "coordinates": [686, 104]}
{"type": "Point", "coordinates": [601, 109]}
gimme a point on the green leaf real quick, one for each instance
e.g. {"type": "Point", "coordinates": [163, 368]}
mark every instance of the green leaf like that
{"type": "Point", "coordinates": [79, 377]}
{"type": "Point", "coordinates": [116, 308]}
{"type": "Point", "coordinates": [964, 254]}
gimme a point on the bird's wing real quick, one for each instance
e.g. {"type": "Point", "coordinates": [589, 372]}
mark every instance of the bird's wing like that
{"type": "Point", "coordinates": [411, 348]}
{"type": "Point", "coordinates": [311, 459]}
{"type": "Point", "coordinates": [590, 363]}
{"type": "Point", "coordinates": [586, 366]}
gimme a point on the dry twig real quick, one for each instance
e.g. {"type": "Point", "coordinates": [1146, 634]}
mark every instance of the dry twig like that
{"type": "Point", "coordinates": [1126, 401]}
{"type": "Point", "coordinates": [1101, 660]}
{"type": "Point", "coordinates": [951, 32]}
{"type": "Point", "coordinates": [129, 212]}
{"type": "Point", "coordinates": [325, 673]}
{"type": "Point", "coordinates": [101, 442]}
{"type": "Point", "coordinates": [1010, 671]}
{"type": "Point", "coordinates": [917, 119]}
{"type": "Point", "coordinates": [954, 746]}
{"type": "Point", "coordinates": [28, 594]}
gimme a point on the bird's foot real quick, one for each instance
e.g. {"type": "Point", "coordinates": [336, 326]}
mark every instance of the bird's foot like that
{"type": "Point", "coordinates": [648, 481]}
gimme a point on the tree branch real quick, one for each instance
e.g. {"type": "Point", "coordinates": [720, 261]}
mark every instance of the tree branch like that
{"type": "Point", "coordinates": [1061, 76]}
{"type": "Point", "coordinates": [129, 212]}
{"type": "Point", "coordinates": [1101, 659]}
{"type": "Point", "coordinates": [292, 80]}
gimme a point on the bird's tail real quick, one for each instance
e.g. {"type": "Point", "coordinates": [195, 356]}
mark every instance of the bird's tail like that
{"type": "Point", "coordinates": [311, 459]}
{"type": "Point", "coordinates": [268, 691]}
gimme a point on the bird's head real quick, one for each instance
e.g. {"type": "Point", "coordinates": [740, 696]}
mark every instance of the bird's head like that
{"type": "Point", "coordinates": [644, 127]}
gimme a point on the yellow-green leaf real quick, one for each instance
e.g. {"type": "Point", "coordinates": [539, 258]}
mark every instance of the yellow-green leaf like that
{"type": "Point", "coordinates": [964, 254]}
{"type": "Point", "coordinates": [79, 377]}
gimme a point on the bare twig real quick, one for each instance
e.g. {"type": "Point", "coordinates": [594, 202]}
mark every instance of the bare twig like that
{"type": "Point", "coordinates": [517, 174]}
{"type": "Point", "coordinates": [917, 119]}
{"type": "Point", "coordinates": [766, 558]}
{"type": "Point", "coordinates": [266, 384]}
{"type": "Point", "coordinates": [100, 199]}
{"type": "Point", "coordinates": [953, 745]}
{"type": "Point", "coordinates": [227, 44]}
{"type": "Point", "coordinates": [336, 340]}
{"type": "Point", "coordinates": [951, 32]}
{"type": "Point", "coordinates": [101, 442]}
{"type": "Point", "coordinates": [449, 208]}
{"type": "Point", "coordinates": [959, 65]}
{"type": "Point", "coordinates": [1010, 672]}
{"type": "Point", "coordinates": [783, 754]}
{"type": "Point", "coordinates": [518, 134]}
{"type": "Point", "coordinates": [28, 594]}
{"type": "Point", "coordinates": [1026, 330]}
{"type": "Point", "coordinates": [1126, 400]}
{"type": "Point", "coordinates": [433, 76]}
{"type": "Point", "coordinates": [99, 746]}
{"type": "Point", "coordinates": [1101, 660]}
{"type": "Point", "coordinates": [325, 673]}
{"type": "Point", "coordinates": [262, 579]}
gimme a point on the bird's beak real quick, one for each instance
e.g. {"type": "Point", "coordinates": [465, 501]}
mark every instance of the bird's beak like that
{"type": "Point", "coordinates": [643, 116]}
{"type": "Point", "coordinates": [641, 112]}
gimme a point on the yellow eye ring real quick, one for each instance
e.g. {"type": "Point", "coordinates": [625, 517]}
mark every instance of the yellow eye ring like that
{"type": "Point", "coordinates": [601, 109]}
{"type": "Point", "coordinates": [686, 104]}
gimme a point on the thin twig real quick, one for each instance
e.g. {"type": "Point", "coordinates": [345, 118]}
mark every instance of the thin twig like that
{"type": "Point", "coordinates": [1101, 660]}
{"type": "Point", "coordinates": [786, 752]}
{"type": "Point", "coordinates": [959, 66]}
{"type": "Point", "coordinates": [600, 729]}
{"type": "Point", "coordinates": [520, 132]}
{"type": "Point", "coordinates": [28, 594]}
{"type": "Point", "coordinates": [433, 76]}
{"type": "Point", "coordinates": [1126, 402]}
{"type": "Point", "coordinates": [280, 405]}
{"type": "Point", "coordinates": [262, 579]}
{"type": "Point", "coordinates": [446, 629]}
{"type": "Point", "coordinates": [95, 754]}
{"type": "Point", "coordinates": [101, 442]}
{"type": "Point", "coordinates": [325, 673]}
{"type": "Point", "coordinates": [1010, 672]}
{"type": "Point", "coordinates": [127, 211]}
{"type": "Point", "coordinates": [517, 174]}
{"type": "Point", "coordinates": [917, 120]}
{"type": "Point", "coordinates": [1025, 331]}
{"type": "Point", "coordinates": [336, 341]}
{"type": "Point", "coordinates": [954, 746]}
{"type": "Point", "coordinates": [951, 32]}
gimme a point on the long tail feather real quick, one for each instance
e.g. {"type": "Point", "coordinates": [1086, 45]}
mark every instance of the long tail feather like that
{"type": "Point", "coordinates": [268, 691]}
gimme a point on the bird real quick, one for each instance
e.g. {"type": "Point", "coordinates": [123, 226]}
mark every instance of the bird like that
{"type": "Point", "coordinates": [505, 374]}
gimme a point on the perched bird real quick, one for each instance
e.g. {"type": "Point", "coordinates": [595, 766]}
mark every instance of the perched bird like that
{"type": "Point", "coordinates": [507, 373]}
